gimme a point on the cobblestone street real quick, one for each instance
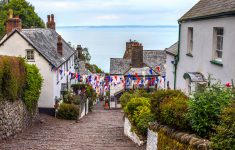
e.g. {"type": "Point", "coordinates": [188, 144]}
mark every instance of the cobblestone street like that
{"type": "Point", "coordinates": [99, 130]}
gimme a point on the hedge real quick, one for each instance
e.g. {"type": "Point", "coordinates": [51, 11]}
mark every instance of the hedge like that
{"type": "Point", "coordinates": [19, 80]}
{"type": "Point", "coordinates": [68, 111]}
{"type": "Point", "coordinates": [32, 88]}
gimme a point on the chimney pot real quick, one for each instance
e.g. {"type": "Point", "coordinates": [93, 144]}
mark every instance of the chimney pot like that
{"type": "Point", "coordinates": [52, 22]}
{"type": "Point", "coordinates": [48, 21]}
{"type": "Point", "coordinates": [52, 17]}
{"type": "Point", "coordinates": [10, 13]}
{"type": "Point", "coordinates": [13, 23]}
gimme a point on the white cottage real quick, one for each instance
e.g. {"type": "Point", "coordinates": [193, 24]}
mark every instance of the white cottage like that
{"type": "Point", "coordinates": [48, 51]}
{"type": "Point", "coordinates": [136, 63]}
{"type": "Point", "coordinates": [171, 55]}
{"type": "Point", "coordinates": [206, 44]}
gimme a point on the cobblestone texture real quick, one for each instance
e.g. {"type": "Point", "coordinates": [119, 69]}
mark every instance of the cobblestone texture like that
{"type": "Point", "coordinates": [99, 130]}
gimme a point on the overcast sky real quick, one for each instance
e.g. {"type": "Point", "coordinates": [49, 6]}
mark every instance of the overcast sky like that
{"type": "Point", "coordinates": [113, 12]}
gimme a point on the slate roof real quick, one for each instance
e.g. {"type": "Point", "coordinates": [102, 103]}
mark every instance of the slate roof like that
{"type": "Point", "coordinates": [205, 8]}
{"type": "Point", "coordinates": [154, 58]}
{"type": "Point", "coordinates": [45, 42]}
{"type": "Point", "coordinates": [173, 49]}
{"type": "Point", "coordinates": [151, 58]}
{"type": "Point", "coordinates": [118, 66]}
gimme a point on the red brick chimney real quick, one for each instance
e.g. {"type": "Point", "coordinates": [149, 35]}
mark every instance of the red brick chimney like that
{"type": "Point", "coordinates": [51, 22]}
{"type": "Point", "coordinates": [59, 45]}
{"type": "Point", "coordinates": [137, 55]}
{"type": "Point", "coordinates": [48, 21]}
{"type": "Point", "coordinates": [13, 23]}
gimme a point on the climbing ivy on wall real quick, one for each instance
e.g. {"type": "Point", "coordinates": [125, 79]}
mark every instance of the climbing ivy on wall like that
{"type": "Point", "coordinates": [32, 87]}
{"type": "Point", "coordinates": [19, 80]}
{"type": "Point", "coordinates": [12, 78]}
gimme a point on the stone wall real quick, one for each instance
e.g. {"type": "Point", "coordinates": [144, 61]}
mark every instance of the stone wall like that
{"type": "Point", "coordinates": [129, 133]}
{"type": "Point", "coordinates": [163, 137]}
{"type": "Point", "coordinates": [14, 118]}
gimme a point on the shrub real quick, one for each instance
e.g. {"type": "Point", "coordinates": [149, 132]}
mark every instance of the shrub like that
{"type": "Point", "coordinates": [173, 112]}
{"type": "Point", "coordinates": [142, 117]}
{"type": "Point", "coordinates": [32, 88]}
{"type": "Point", "coordinates": [90, 93]}
{"type": "Point", "coordinates": [141, 93]}
{"type": "Point", "coordinates": [159, 96]}
{"type": "Point", "coordinates": [134, 103]}
{"type": "Point", "coordinates": [68, 111]}
{"type": "Point", "coordinates": [139, 113]}
{"type": "Point", "coordinates": [205, 108]}
{"type": "Point", "coordinates": [224, 138]}
{"type": "Point", "coordinates": [125, 98]}
{"type": "Point", "coordinates": [90, 105]}
{"type": "Point", "coordinates": [72, 99]}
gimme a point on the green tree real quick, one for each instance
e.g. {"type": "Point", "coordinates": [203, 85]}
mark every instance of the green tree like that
{"type": "Point", "coordinates": [26, 12]}
{"type": "Point", "coordinates": [86, 55]}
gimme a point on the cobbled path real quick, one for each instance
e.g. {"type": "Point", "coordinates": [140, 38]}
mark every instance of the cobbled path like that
{"type": "Point", "coordinates": [99, 130]}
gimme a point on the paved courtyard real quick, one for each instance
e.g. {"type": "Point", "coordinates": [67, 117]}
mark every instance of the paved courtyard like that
{"type": "Point", "coordinates": [99, 130]}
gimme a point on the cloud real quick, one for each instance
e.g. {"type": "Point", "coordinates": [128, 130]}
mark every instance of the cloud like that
{"type": "Point", "coordinates": [113, 12]}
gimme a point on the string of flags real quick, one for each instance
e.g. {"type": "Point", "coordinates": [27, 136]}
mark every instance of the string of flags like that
{"type": "Point", "coordinates": [102, 83]}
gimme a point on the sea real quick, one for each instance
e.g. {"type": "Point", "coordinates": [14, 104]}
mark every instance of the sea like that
{"type": "Point", "coordinates": [105, 42]}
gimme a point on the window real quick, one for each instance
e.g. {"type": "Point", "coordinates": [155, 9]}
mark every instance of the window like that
{"type": "Point", "coordinates": [190, 40]}
{"type": "Point", "coordinates": [30, 55]}
{"type": "Point", "coordinates": [218, 43]}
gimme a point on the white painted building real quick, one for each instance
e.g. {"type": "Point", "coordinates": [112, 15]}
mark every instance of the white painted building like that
{"type": "Point", "coordinates": [136, 63]}
{"type": "Point", "coordinates": [49, 52]}
{"type": "Point", "coordinates": [206, 44]}
{"type": "Point", "coordinates": [171, 54]}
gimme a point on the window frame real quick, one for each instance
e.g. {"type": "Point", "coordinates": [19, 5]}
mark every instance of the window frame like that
{"type": "Point", "coordinates": [190, 40]}
{"type": "Point", "coordinates": [31, 57]}
{"type": "Point", "coordinates": [216, 50]}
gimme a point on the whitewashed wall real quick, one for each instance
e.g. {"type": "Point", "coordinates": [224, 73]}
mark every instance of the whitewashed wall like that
{"type": "Point", "coordinates": [203, 50]}
{"type": "Point", "coordinates": [170, 71]}
{"type": "Point", "coordinates": [62, 78]}
{"type": "Point", "coordinates": [119, 87]}
{"type": "Point", "coordinates": [128, 132]}
{"type": "Point", "coordinates": [17, 46]}
{"type": "Point", "coordinates": [152, 140]}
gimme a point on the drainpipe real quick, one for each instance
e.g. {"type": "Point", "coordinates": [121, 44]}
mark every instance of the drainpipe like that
{"type": "Point", "coordinates": [177, 57]}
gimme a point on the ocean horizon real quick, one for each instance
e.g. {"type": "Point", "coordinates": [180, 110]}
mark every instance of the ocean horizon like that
{"type": "Point", "coordinates": [105, 42]}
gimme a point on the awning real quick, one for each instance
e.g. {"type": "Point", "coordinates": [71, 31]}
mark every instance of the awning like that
{"type": "Point", "coordinates": [195, 77]}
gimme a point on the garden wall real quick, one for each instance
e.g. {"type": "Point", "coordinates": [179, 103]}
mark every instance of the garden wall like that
{"type": "Point", "coordinates": [162, 137]}
{"type": "Point", "coordinates": [84, 109]}
{"type": "Point", "coordinates": [129, 133]}
{"type": "Point", "coordinates": [14, 118]}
